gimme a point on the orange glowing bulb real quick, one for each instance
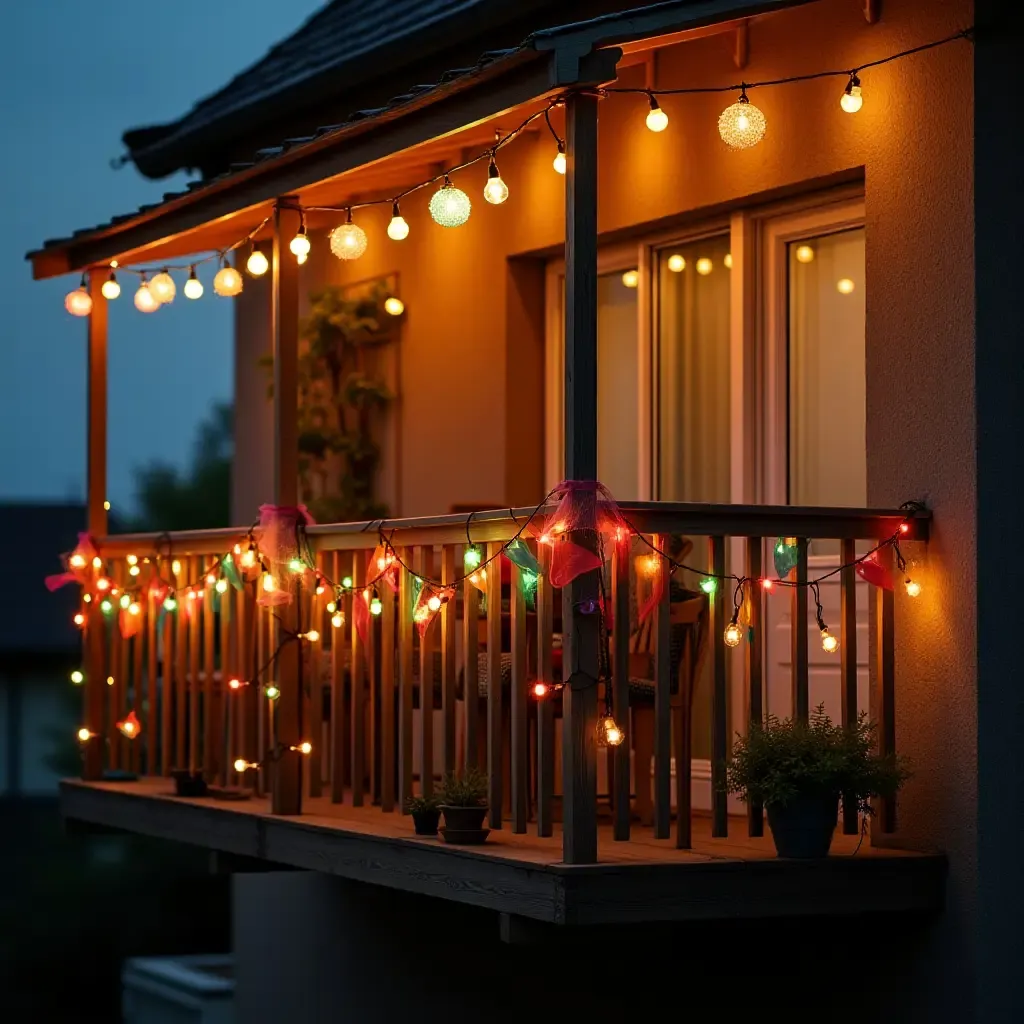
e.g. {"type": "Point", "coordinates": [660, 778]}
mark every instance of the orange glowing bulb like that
{"type": "Point", "coordinates": [540, 690]}
{"type": "Point", "coordinates": [77, 561]}
{"type": "Point", "coordinates": [103, 583]}
{"type": "Point", "coordinates": [79, 619]}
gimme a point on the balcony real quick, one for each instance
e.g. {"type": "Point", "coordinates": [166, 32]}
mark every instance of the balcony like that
{"type": "Point", "coordinates": [389, 702]}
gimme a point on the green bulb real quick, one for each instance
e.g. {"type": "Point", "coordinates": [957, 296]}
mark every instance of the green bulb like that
{"type": "Point", "coordinates": [272, 692]}
{"type": "Point", "coordinates": [106, 607]}
{"type": "Point", "coordinates": [472, 558]}
{"type": "Point", "coordinates": [347, 582]}
{"type": "Point", "coordinates": [125, 600]}
{"type": "Point", "coordinates": [709, 584]}
{"type": "Point", "coordinates": [170, 604]}
{"type": "Point", "coordinates": [295, 565]}
{"type": "Point", "coordinates": [375, 606]}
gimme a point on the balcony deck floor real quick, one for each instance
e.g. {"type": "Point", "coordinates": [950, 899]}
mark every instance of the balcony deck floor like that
{"type": "Point", "coordinates": [640, 880]}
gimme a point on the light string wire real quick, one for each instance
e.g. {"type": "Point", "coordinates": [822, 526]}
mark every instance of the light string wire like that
{"type": "Point", "coordinates": [491, 152]}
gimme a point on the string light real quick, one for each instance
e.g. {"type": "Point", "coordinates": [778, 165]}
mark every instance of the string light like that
{"type": "Point", "coordinates": [709, 584]}
{"type": "Point", "coordinates": [676, 263]}
{"type": "Point", "coordinates": [312, 635]}
{"type": "Point", "coordinates": [97, 562]}
{"type": "Point", "coordinates": [347, 583]}
{"type": "Point", "coordinates": [103, 583]}
{"type": "Point", "coordinates": [271, 692]}
{"type": "Point", "coordinates": [657, 119]}
{"type": "Point", "coordinates": [305, 747]}
{"type": "Point", "coordinates": [299, 245]}
{"type": "Point", "coordinates": [145, 301]}
{"type": "Point", "coordinates": [242, 766]}
{"type": "Point", "coordinates": [540, 690]}
{"type": "Point", "coordinates": [631, 278]}
{"type": "Point", "coordinates": [84, 735]}
{"type": "Point", "coordinates": [845, 286]}
{"type": "Point", "coordinates": [295, 565]}
{"type": "Point", "coordinates": [609, 732]}
{"type": "Point", "coordinates": [559, 162]}
{"type": "Point", "coordinates": [449, 206]}
{"type": "Point", "coordinates": [394, 306]}
{"type": "Point", "coordinates": [472, 557]}
{"type": "Point", "coordinates": [77, 677]}
{"type": "Point", "coordinates": [79, 301]}
{"type": "Point", "coordinates": [742, 125]}
{"type": "Point", "coordinates": [338, 620]}
{"type": "Point", "coordinates": [110, 680]}
{"type": "Point", "coordinates": [852, 99]}
{"type": "Point", "coordinates": [125, 600]}
{"type": "Point", "coordinates": [77, 561]}
{"type": "Point", "coordinates": [733, 634]}
{"type": "Point", "coordinates": [227, 281]}
{"type": "Point", "coordinates": [235, 684]}
{"type": "Point", "coordinates": [376, 607]}
{"type": "Point", "coordinates": [106, 607]}
{"type": "Point", "coordinates": [170, 604]}
{"type": "Point", "coordinates": [269, 583]}
{"type": "Point", "coordinates": [79, 619]}
{"type": "Point", "coordinates": [129, 726]}
{"type": "Point", "coordinates": [727, 261]}
{"type": "Point", "coordinates": [495, 191]}
{"type": "Point", "coordinates": [111, 289]}
{"type": "Point", "coordinates": [193, 286]}
{"type": "Point", "coordinates": [348, 240]}
{"type": "Point", "coordinates": [913, 587]}
{"type": "Point", "coordinates": [398, 226]}
{"type": "Point", "coordinates": [162, 288]}
{"type": "Point", "coordinates": [829, 643]}
{"type": "Point", "coordinates": [804, 254]}
{"type": "Point", "coordinates": [767, 585]}
{"type": "Point", "coordinates": [257, 264]}
{"type": "Point", "coordinates": [221, 586]}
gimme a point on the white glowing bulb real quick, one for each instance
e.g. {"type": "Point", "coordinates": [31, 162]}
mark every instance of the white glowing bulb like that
{"type": "Point", "coordinates": [559, 162]}
{"type": "Point", "coordinates": [111, 289]}
{"type": "Point", "coordinates": [657, 119]}
{"type": "Point", "coordinates": [913, 588]}
{"type": "Point", "coordinates": [394, 306]}
{"type": "Point", "coordinates": [676, 263]}
{"type": "Point", "coordinates": [299, 245]}
{"type": "Point", "coordinates": [337, 620]}
{"type": "Point", "coordinates": [193, 286]}
{"type": "Point", "coordinates": [221, 586]}
{"type": "Point", "coordinates": [269, 583]}
{"type": "Point", "coordinates": [398, 228]}
{"type": "Point", "coordinates": [852, 99]}
{"type": "Point", "coordinates": [228, 282]}
{"type": "Point", "coordinates": [631, 278]}
{"type": "Point", "coordinates": [704, 266]}
{"type": "Point", "coordinates": [804, 254]}
{"type": "Point", "coordinates": [257, 264]}
{"type": "Point", "coordinates": [495, 191]}
{"type": "Point", "coordinates": [144, 299]}
{"type": "Point", "coordinates": [727, 261]}
{"type": "Point", "coordinates": [733, 635]}
{"type": "Point", "coordinates": [348, 240]}
{"type": "Point", "coordinates": [78, 302]}
{"type": "Point", "coordinates": [845, 286]}
{"type": "Point", "coordinates": [301, 258]}
{"type": "Point", "coordinates": [434, 602]}
{"type": "Point", "coordinates": [829, 643]}
{"type": "Point", "coordinates": [162, 287]}
{"type": "Point", "coordinates": [742, 125]}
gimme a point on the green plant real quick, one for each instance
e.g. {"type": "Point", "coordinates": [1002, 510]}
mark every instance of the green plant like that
{"type": "Point", "coordinates": [340, 397]}
{"type": "Point", "coordinates": [422, 804]}
{"type": "Point", "coordinates": [784, 759]}
{"type": "Point", "coordinates": [465, 789]}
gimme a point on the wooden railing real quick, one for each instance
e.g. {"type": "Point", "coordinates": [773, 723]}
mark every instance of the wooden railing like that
{"type": "Point", "coordinates": [387, 717]}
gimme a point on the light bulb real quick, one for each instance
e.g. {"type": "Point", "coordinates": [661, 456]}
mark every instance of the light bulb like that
{"type": "Point", "coordinates": [103, 583]}
{"type": "Point", "coordinates": [77, 561]}
{"type": "Point", "coordinates": [221, 586]}
{"type": "Point", "coordinates": [727, 261]}
{"type": "Point", "coordinates": [193, 286]}
{"type": "Point", "coordinates": [804, 254]}
{"type": "Point", "coordinates": [295, 565]}
{"type": "Point", "coordinates": [767, 585]}
{"type": "Point", "coordinates": [97, 562]}
{"type": "Point", "coordinates": [305, 747]}
{"type": "Point", "coordinates": [240, 765]}
{"type": "Point", "coordinates": [257, 264]}
{"type": "Point", "coordinates": [348, 240]}
{"type": "Point", "coordinates": [106, 607]}
{"type": "Point", "coordinates": [134, 570]}
{"type": "Point", "coordinates": [472, 558]}
{"type": "Point", "coordinates": [742, 125]}
{"type": "Point", "coordinates": [301, 258]}
{"type": "Point", "coordinates": [111, 289]}
{"type": "Point", "coordinates": [176, 567]}
{"type": "Point", "coordinates": [375, 606]}
{"type": "Point", "coordinates": [398, 227]}
{"type": "Point", "coordinates": [144, 301]}
{"type": "Point", "coordinates": [651, 565]}
{"type": "Point", "coordinates": [829, 643]}
{"type": "Point", "coordinates": [434, 603]}
{"type": "Point", "coordinates": [495, 191]}
{"type": "Point", "coordinates": [704, 266]}
{"type": "Point", "coordinates": [394, 306]}
{"type": "Point", "coordinates": [657, 119]}
{"type": "Point", "coordinates": [337, 620]}
{"type": "Point", "coordinates": [79, 619]}
{"type": "Point", "coordinates": [170, 604]}
{"type": "Point", "coordinates": [228, 281]}
{"type": "Point", "coordinates": [709, 584]}
{"type": "Point", "coordinates": [248, 559]}
{"type": "Point", "coordinates": [852, 99]}
{"type": "Point", "coordinates": [631, 278]}
{"type": "Point", "coordinates": [733, 634]}
{"type": "Point", "coordinates": [162, 287]}
{"type": "Point", "coordinates": [234, 684]}
{"type": "Point", "coordinates": [84, 735]}
{"type": "Point", "coordinates": [559, 162]}
{"type": "Point", "coordinates": [133, 608]}
{"type": "Point", "coordinates": [132, 559]}
{"type": "Point", "coordinates": [77, 677]}
{"type": "Point", "coordinates": [299, 245]}
{"type": "Point", "coordinates": [312, 635]}
{"type": "Point", "coordinates": [845, 286]}
{"type": "Point", "coordinates": [676, 263]}
{"type": "Point", "coordinates": [610, 732]}
{"type": "Point", "coordinates": [78, 302]}
{"type": "Point", "coordinates": [913, 588]}
{"type": "Point", "coordinates": [110, 680]}
{"type": "Point", "coordinates": [272, 692]}
{"type": "Point", "coordinates": [269, 583]}
{"type": "Point", "coordinates": [540, 690]}
{"type": "Point", "coordinates": [347, 582]}
{"type": "Point", "coordinates": [125, 600]}
{"type": "Point", "coordinates": [450, 206]}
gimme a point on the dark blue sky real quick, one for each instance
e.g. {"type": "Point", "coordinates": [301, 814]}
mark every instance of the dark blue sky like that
{"type": "Point", "coordinates": [74, 76]}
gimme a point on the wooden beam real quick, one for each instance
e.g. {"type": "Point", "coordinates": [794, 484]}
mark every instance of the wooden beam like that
{"type": "Point", "coordinates": [284, 313]}
{"type": "Point", "coordinates": [741, 44]}
{"type": "Point", "coordinates": [582, 669]}
{"type": "Point", "coordinates": [872, 11]}
{"type": "Point", "coordinates": [654, 43]}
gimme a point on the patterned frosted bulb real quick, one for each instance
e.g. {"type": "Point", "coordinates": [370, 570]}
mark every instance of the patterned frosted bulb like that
{"type": "Point", "coordinates": [742, 125]}
{"type": "Point", "coordinates": [78, 302]}
{"type": "Point", "coordinates": [450, 206]}
{"type": "Point", "coordinates": [144, 300]}
{"type": "Point", "coordinates": [162, 288]}
{"type": "Point", "coordinates": [228, 282]}
{"type": "Point", "coordinates": [348, 240]}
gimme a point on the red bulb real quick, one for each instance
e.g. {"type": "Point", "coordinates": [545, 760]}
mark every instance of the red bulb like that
{"type": "Point", "coordinates": [904, 527]}
{"type": "Point", "coordinates": [234, 684]}
{"type": "Point", "coordinates": [767, 584]}
{"type": "Point", "coordinates": [540, 690]}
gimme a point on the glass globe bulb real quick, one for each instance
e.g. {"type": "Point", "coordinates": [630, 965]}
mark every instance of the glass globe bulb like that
{"type": "Point", "coordinates": [733, 635]}
{"type": "Point", "coordinates": [450, 206]}
{"type": "Point", "coordinates": [78, 302]}
{"type": "Point", "coordinates": [727, 261]}
{"type": "Point", "coordinates": [394, 306]}
{"type": "Point", "coordinates": [631, 278]}
{"type": "Point", "coordinates": [742, 125]}
{"type": "Point", "coordinates": [228, 282]}
{"type": "Point", "coordinates": [852, 99]}
{"type": "Point", "coordinates": [193, 287]}
{"type": "Point", "coordinates": [240, 764]}
{"type": "Point", "coordinates": [845, 286]}
{"type": "Point", "coordinates": [144, 300]}
{"type": "Point", "coordinates": [162, 287]}
{"type": "Point", "coordinates": [301, 258]}
{"type": "Point", "coordinates": [804, 254]}
{"type": "Point", "coordinates": [398, 228]}
{"type": "Point", "coordinates": [376, 607]}
{"type": "Point", "coordinates": [829, 643]}
{"type": "Point", "coordinates": [676, 263]}
{"type": "Point", "coordinates": [704, 266]}
{"type": "Point", "coordinates": [299, 245]}
{"type": "Point", "coordinates": [348, 241]}
{"type": "Point", "coordinates": [913, 588]}
{"type": "Point", "coordinates": [495, 191]}
{"type": "Point", "coordinates": [257, 264]}
{"type": "Point", "coordinates": [559, 162]}
{"type": "Point", "coordinates": [111, 289]}
{"type": "Point", "coordinates": [657, 119]}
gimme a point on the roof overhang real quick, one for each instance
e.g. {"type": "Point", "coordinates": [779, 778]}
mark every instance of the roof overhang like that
{"type": "Point", "coordinates": [214, 214]}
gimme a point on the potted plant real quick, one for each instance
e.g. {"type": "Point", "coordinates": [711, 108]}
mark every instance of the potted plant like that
{"type": "Point", "coordinates": [426, 814]}
{"type": "Point", "coordinates": [464, 804]}
{"type": "Point", "coordinates": [799, 770]}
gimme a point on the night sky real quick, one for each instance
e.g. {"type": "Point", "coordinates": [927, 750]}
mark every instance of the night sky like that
{"type": "Point", "coordinates": [74, 76]}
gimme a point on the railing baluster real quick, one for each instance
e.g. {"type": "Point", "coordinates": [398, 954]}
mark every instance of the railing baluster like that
{"type": "Point", "coordinates": [754, 662]}
{"type": "Point", "coordinates": [372, 698]}
{"type": "Point", "coordinates": [95, 696]}
{"type": "Point", "coordinates": [471, 671]}
{"type": "Point", "coordinates": [425, 562]}
{"type": "Point", "coordinates": [663, 711]}
{"type": "Point", "coordinates": [210, 736]}
{"type": "Point", "coordinates": [118, 671]}
{"type": "Point", "coordinates": [848, 660]}
{"type": "Point", "coordinates": [357, 722]}
{"type": "Point", "coordinates": [152, 709]}
{"type": "Point", "coordinates": [405, 682]}
{"type": "Point", "coordinates": [387, 698]}
{"type": "Point", "coordinates": [449, 613]}
{"type": "Point", "coordinates": [719, 693]}
{"type": "Point", "coordinates": [138, 693]}
{"type": "Point", "coordinates": [264, 707]}
{"type": "Point", "coordinates": [166, 692]}
{"type": "Point", "coordinates": [315, 717]}
{"type": "Point", "coordinates": [194, 613]}
{"type": "Point", "coordinates": [495, 751]}
{"type": "Point", "coordinates": [181, 621]}
{"type": "Point", "coordinates": [224, 709]}
{"type": "Point", "coordinates": [339, 747]}
{"type": "Point", "coordinates": [801, 697]}
{"type": "Point", "coordinates": [545, 707]}
{"type": "Point", "coordinates": [620, 686]}
{"type": "Point", "coordinates": [517, 704]}
{"type": "Point", "coordinates": [885, 699]}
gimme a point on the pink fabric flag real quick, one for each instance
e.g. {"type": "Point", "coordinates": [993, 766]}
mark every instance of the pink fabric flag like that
{"type": "Point", "coordinates": [278, 538]}
{"type": "Point", "coordinates": [78, 565]}
{"type": "Point", "coordinates": [584, 507]}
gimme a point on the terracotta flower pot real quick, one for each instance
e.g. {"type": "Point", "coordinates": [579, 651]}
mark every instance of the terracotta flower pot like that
{"type": "Point", "coordinates": [804, 827]}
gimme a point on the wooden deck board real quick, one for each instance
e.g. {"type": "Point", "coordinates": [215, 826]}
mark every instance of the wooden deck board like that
{"type": "Point", "coordinates": [641, 880]}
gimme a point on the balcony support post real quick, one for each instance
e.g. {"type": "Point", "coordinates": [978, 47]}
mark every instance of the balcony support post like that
{"type": "Point", "coordinates": [96, 512]}
{"type": "Point", "coordinates": [286, 792]}
{"type": "Point", "coordinates": [581, 666]}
